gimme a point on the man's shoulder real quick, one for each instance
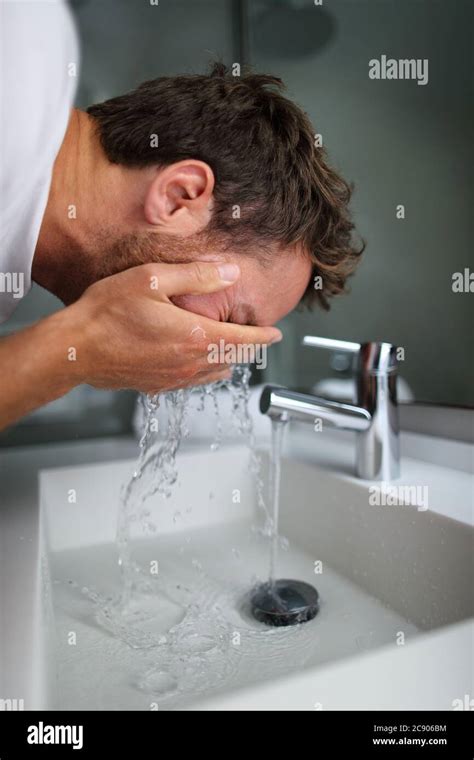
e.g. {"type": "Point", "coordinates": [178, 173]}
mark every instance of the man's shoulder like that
{"type": "Point", "coordinates": [38, 76]}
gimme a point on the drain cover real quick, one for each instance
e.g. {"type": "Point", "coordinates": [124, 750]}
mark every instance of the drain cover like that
{"type": "Point", "coordinates": [284, 602]}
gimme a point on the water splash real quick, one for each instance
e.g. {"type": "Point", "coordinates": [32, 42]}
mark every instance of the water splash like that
{"type": "Point", "coordinates": [156, 472]}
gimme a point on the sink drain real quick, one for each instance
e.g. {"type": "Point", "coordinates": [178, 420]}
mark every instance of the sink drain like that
{"type": "Point", "coordinates": [284, 602]}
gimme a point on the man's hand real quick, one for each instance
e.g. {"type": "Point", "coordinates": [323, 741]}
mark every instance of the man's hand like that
{"type": "Point", "coordinates": [133, 336]}
{"type": "Point", "coordinates": [124, 332]}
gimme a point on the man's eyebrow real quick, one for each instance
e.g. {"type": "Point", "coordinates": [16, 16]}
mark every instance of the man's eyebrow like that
{"type": "Point", "coordinates": [244, 314]}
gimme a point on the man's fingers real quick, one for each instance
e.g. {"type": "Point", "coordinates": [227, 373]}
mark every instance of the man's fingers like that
{"type": "Point", "coordinates": [203, 378]}
{"type": "Point", "coordinates": [240, 334]}
{"type": "Point", "coordinates": [194, 278]}
{"type": "Point", "coordinates": [201, 277]}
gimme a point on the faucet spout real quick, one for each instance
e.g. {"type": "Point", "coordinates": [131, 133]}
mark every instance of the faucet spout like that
{"type": "Point", "coordinates": [280, 403]}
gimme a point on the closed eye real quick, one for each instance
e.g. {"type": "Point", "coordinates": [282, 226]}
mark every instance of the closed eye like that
{"type": "Point", "coordinates": [244, 314]}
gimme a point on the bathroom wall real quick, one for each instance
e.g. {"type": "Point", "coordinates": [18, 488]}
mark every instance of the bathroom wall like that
{"type": "Point", "coordinates": [400, 143]}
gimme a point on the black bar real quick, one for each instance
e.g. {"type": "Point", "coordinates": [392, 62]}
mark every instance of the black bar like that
{"type": "Point", "coordinates": [417, 734]}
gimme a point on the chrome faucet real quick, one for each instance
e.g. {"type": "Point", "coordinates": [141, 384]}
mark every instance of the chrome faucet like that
{"type": "Point", "coordinates": [375, 417]}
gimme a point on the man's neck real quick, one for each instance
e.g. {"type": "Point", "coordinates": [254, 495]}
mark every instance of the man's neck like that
{"type": "Point", "coordinates": [76, 215]}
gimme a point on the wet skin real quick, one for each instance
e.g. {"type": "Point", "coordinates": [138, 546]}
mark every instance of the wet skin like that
{"type": "Point", "coordinates": [263, 295]}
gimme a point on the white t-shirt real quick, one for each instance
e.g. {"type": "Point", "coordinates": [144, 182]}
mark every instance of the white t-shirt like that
{"type": "Point", "coordinates": [39, 66]}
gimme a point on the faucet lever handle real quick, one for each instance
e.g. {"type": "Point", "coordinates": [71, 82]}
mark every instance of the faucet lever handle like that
{"type": "Point", "coordinates": [375, 358]}
{"type": "Point", "coordinates": [331, 343]}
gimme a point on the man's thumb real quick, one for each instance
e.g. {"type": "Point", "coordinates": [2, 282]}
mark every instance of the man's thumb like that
{"type": "Point", "coordinates": [196, 278]}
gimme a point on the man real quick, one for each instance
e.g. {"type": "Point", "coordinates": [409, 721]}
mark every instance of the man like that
{"type": "Point", "coordinates": [156, 217]}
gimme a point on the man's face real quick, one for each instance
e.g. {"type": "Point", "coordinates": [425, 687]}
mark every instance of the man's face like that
{"type": "Point", "coordinates": [263, 295]}
{"type": "Point", "coordinates": [269, 287]}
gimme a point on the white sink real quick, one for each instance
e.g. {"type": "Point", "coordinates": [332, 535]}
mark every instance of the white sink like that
{"type": "Point", "coordinates": [393, 630]}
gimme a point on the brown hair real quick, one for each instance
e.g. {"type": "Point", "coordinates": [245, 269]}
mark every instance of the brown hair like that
{"type": "Point", "coordinates": [261, 148]}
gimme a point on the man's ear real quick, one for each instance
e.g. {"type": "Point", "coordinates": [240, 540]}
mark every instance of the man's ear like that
{"type": "Point", "coordinates": [179, 198]}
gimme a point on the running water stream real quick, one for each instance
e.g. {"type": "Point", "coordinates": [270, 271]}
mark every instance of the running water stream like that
{"type": "Point", "coordinates": [278, 429]}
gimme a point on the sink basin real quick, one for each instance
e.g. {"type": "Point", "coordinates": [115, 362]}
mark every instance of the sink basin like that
{"type": "Point", "coordinates": [395, 581]}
